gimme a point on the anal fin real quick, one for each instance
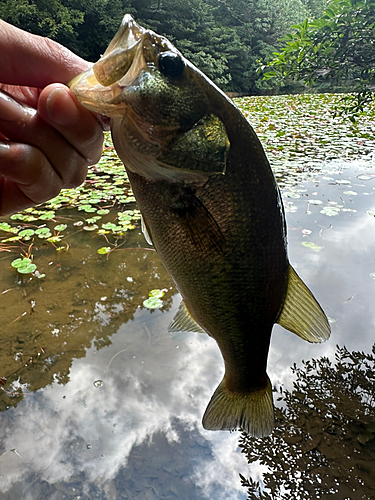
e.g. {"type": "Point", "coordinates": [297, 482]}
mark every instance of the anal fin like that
{"type": "Point", "coordinates": [301, 313]}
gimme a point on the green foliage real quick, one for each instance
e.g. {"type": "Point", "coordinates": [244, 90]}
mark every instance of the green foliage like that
{"type": "Point", "coordinates": [222, 38]}
{"type": "Point", "coordinates": [24, 265]}
{"type": "Point", "coordinates": [324, 442]}
{"type": "Point", "coordinates": [52, 18]}
{"type": "Point", "coordinates": [336, 47]}
{"type": "Point", "coordinates": [154, 299]}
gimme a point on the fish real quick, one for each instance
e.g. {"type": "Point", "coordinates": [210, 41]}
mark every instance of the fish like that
{"type": "Point", "coordinates": [212, 209]}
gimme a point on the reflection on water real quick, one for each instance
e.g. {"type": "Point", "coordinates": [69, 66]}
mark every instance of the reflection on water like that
{"type": "Point", "coordinates": [98, 401]}
{"type": "Point", "coordinates": [324, 442]}
{"type": "Point", "coordinates": [118, 401]}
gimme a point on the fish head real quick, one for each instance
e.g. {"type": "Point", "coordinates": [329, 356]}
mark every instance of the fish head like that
{"type": "Point", "coordinates": [161, 119]}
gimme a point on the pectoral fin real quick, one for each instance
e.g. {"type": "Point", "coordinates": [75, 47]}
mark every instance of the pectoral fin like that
{"type": "Point", "coordinates": [184, 322]}
{"type": "Point", "coordinates": [198, 222]}
{"type": "Point", "coordinates": [203, 149]}
{"type": "Point", "coordinates": [301, 313]}
{"type": "Point", "coordinates": [145, 231]}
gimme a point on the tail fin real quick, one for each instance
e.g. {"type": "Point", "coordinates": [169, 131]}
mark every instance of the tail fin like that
{"type": "Point", "coordinates": [252, 412]}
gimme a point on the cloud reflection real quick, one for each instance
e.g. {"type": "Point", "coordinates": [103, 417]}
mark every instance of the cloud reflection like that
{"type": "Point", "coordinates": [154, 391]}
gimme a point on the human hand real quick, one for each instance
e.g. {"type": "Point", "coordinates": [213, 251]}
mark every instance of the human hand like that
{"type": "Point", "coordinates": [47, 139]}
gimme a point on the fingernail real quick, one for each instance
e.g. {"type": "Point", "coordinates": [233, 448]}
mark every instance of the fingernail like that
{"type": "Point", "coordinates": [61, 108]}
{"type": "Point", "coordinates": [4, 147]}
{"type": "Point", "coordinates": [12, 110]}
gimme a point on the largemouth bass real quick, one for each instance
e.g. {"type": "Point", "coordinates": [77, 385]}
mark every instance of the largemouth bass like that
{"type": "Point", "coordinates": [211, 208]}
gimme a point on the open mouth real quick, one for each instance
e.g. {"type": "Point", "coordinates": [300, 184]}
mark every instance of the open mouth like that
{"type": "Point", "coordinates": [99, 88]}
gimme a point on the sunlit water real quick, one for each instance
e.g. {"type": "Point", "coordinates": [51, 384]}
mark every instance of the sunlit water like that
{"type": "Point", "coordinates": [101, 402]}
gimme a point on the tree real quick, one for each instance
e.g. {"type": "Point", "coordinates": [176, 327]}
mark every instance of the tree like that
{"type": "Point", "coordinates": [51, 18]}
{"type": "Point", "coordinates": [324, 443]}
{"type": "Point", "coordinates": [336, 47]}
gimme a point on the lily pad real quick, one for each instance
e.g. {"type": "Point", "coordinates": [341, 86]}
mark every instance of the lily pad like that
{"type": "Point", "coordinates": [154, 300]}
{"type": "Point", "coordinates": [42, 230]}
{"type": "Point", "coordinates": [104, 250]}
{"type": "Point", "coordinates": [312, 246]}
{"type": "Point", "coordinates": [330, 211]}
{"type": "Point", "coordinates": [26, 233]}
{"type": "Point", "coordinates": [20, 262]}
{"type": "Point", "coordinates": [153, 303]}
{"type": "Point", "coordinates": [157, 293]}
{"type": "Point", "coordinates": [30, 268]}
{"type": "Point", "coordinates": [23, 265]}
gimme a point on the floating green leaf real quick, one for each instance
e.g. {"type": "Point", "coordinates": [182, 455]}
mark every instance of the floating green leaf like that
{"type": "Point", "coordinates": [104, 250]}
{"type": "Point", "coordinates": [330, 211]}
{"type": "Point", "coordinates": [153, 303]}
{"type": "Point", "coordinates": [92, 220]}
{"type": "Point", "coordinates": [23, 265]}
{"type": "Point", "coordinates": [13, 238]}
{"type": "Point", "coordinates": [60, 227]}
{"type": "Point", "coordinates": [154, 300]}
{"type": "Point", "coordinates": [42, 230]}
{"type": "Point", "coordinates": [26, 233]}
{"type": "Point", "coordinates": [156, 293]}
{"type": "Point", "coordinates": [30, 268]}
{"type": "Point", "coordinates": [54, 239]}
{"type": "Point", "coordinates": [312, 246]}
{"type": "Point", "coordinates": [47, 215]}
{"type": "Point", "coordinates": [20, 262]}
{"type": "Point", "coordinates": [87, 208]}
{"type": "Point", "coordinates": [4, 226]}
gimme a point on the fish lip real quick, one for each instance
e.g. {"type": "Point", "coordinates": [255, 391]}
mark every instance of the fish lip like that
{"type": "Point", "coordinates": [120, 53]}
{"type": "Point", "coordinates": [101, 88]}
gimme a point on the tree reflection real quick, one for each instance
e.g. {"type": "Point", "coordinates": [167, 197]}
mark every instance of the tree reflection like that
{"type": "Point", "coordinates": [324, 442]}
{"type": "Point", "coordinates": [46, 324]}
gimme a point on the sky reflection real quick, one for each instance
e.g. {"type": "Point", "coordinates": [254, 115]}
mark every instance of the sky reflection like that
{"type": "Point", "coordinates": [138, 429]}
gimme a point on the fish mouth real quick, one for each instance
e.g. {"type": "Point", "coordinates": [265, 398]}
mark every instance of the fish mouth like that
{"type": "Point", "coordinates": [100, 88]}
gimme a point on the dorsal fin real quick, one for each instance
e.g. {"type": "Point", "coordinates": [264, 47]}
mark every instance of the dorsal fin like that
{"type": "Point", "coordinates": [301, 313]}
{"type": "Point", "coordinates": [184, 322]}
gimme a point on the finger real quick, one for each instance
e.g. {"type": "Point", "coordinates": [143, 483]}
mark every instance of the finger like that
{"type": "Point", "coordinates": [26, 95]}
{"type": "Point", "coordinates": [27, 177]}
{"type": "Point", "coordinates": [59, 107]}
{"type": "Point", "coordinates": [20, 123]}
{"type": "Point", "coordinates": [31, 60]}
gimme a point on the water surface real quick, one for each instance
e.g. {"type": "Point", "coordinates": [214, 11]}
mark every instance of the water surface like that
{"type": "Point", "coordinates": [99, 401]}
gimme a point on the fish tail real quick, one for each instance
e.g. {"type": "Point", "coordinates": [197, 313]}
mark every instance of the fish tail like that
{"type": "Point", "coordinates": [251, 411]}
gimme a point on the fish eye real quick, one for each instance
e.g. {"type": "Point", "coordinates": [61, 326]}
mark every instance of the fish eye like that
{"type": "Point", "coordinates": [171, 64]}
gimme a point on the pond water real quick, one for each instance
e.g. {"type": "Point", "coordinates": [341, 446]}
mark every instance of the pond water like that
{"type": "Point", "coordinates": [98, 401]}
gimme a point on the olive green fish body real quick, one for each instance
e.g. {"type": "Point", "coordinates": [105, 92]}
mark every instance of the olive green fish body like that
{"type": "Point", "coordinates": [226, 251]}
{"type": "Point", "coordinates": [212, 209]}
